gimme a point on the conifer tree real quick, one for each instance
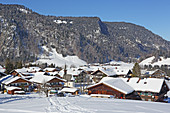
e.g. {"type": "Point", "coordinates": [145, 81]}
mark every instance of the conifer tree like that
{"type": "Point", "coordinates": [136, 70]}
{"type": "Point", "coordinates": [9, 66]}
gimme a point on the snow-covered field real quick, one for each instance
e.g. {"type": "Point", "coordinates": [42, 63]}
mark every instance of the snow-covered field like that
{"type": "Point", "coordinates": [161, 61]}
{"type": "Point", "coordinates": [58, 59]}
{"type": "Point", "coordinates": [77, 104]}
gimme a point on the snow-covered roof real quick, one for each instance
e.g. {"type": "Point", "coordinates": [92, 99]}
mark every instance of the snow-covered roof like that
{"type": "Point", "coordinates": [147, 72]}
{"type": "Point", "coordinates": [23, 70]}
{"type": "Point", "coordinates": [32, 69]}
{"type": "Point", "coordinates": [72, 71]}
{"type": "Point", "coordinates": [122, 71]}
{"type": "Point", "coordinates": [112, 70]}
{"type": "Point", "coordinates": [5, 78]}
{"type": "Point", "coordinates": [39, 77]}
{"type": "Point", "coordinates": [146, 84]}
{"type": "Point", "coordinates": [115, 83]}
{"type": "Point", "coordinates": [53, 73]}
{"type": "Point", "coordinates": [12, 79]}
{"type": "Point", "coordinates": [49, 69]}
{"type": "Point", "coordinates": [2, 69]}
{"type": "Point", "coordinates": [71, 90]}
{"type": "Point", "coordinates": [106, 72]}
{"type": "Point", "coordinates": [12, 88]}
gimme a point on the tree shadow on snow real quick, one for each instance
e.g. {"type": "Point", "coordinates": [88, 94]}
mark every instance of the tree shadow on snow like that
{"type": "Point", "coordinates": [12, 98]}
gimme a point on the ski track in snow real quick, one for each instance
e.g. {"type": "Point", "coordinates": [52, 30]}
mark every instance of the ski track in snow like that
{"type": "Point", "coordinates": [77, 104]}
{"type": "Point", "coordinates": [62, 105]}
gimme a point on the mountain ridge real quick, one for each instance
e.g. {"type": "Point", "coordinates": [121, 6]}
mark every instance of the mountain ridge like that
{"type": "Point", "coordinates": [24, 32]}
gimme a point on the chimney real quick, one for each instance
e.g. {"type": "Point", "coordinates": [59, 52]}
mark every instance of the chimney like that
{"type": "Point", "coordinates": [138, 80]}
{"type": "Point", "coordinates": [128, 79]}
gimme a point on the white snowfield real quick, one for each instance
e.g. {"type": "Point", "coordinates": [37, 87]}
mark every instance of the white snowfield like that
{"type": "Point", "coordinates": [58, 59]}
{"type": "Point", "coordinates": [161, 61]}
{"type": "Point", "coordinates": [77, 104]}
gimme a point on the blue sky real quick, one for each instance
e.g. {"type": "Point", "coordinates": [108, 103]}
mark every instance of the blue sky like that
{"type": "Point", "coordinates": [152, 14]}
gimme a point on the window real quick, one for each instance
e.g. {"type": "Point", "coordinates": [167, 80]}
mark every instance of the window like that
{"type": "Point", "coordinates": [149, 94]}
{"type": "Point", "coordinates": [142, 93]}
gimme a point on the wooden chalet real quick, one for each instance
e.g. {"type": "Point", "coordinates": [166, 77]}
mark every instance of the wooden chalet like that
{"type": "Point", "coordinates": [34, 69]}
{"type": "Point", "coordinates": [22, 73]}
{"type": "Point", "coordinates": [56, 83]}
{"type": "Point", "coordinates": [83, 77]}
{"type": "Point", "coordinates": [52, 82]}
{"type": "Point", "coordinates": [158, 74]}
{"type": "Point", "coordinates": [112, 86]}
{"type": "Point", "coordinates": [149, 89]}
{"type": "Point", "coordinates": [99, 74]}
{"type": "Point", "coordinates": [14, 72]}
{"type": "Point", "coordinates": [16, 81]}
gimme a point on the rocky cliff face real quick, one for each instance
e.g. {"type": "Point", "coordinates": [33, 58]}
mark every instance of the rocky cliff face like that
{"type": "Point", "coordinates": [23, 33]}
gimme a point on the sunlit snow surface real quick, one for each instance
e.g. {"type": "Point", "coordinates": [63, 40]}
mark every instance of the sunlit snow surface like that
{"type": "Point", "coordinates": [161, 61]}
{"type": "Point", "coordinates": [58, 59]}
{"type": "Point", "coordinates": [77, 104]}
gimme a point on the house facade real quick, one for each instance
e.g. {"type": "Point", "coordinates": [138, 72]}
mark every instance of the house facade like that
{"type": "Point", "coordinates": [16, 82]}
{"type": "Point", "coordinates": [112, 86]}
{"type": "Point", "coordinates": [52, 82]}
{"type": "Point", "coordinates": [150, 89]}
{"type": "Point", "coordinates": [99, 74]}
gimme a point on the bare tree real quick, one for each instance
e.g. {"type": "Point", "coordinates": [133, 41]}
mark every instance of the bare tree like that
{"type": "Point", "coordinates": [44, 88]}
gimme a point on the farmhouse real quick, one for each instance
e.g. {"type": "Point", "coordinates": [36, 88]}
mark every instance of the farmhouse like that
{"type": "Point", "coordinates": [50, 81]}
{"type": "Point", "coordinates": [112, 86]}
{"type": "Point", "coordinates": [148, 89]}
{"type": "Point", "coordinates": [16, 81]}
{"type": "Point", "coordinates": [100, 73]}
{"type": "Point", "coordinates": [158, 74]}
